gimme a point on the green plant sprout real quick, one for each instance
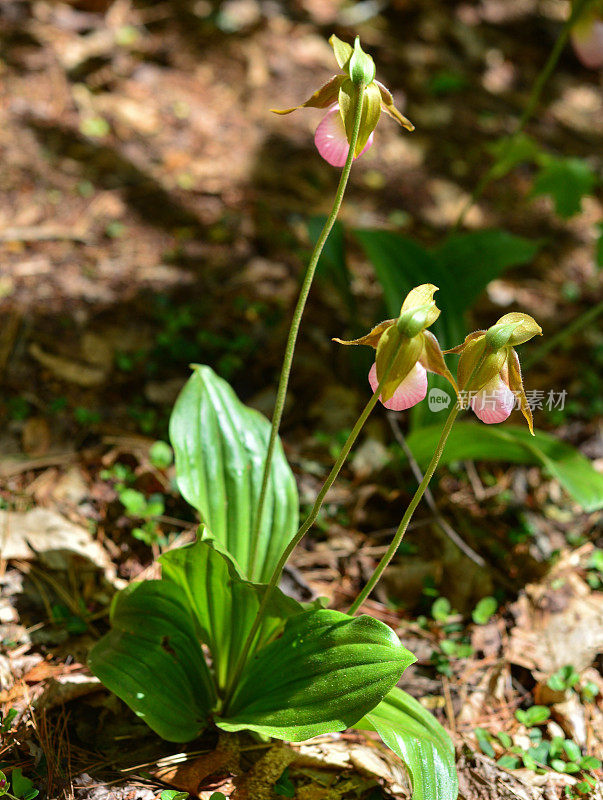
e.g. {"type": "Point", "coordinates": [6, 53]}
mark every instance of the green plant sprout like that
{"type": "Point", "coordinates": [280, 668]}
{"type": "Point", "coordinates": [21, 788]}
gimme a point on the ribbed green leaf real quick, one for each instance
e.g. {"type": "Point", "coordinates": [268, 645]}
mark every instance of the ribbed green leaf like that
{"type": "Point", "coordinates": [220, 446]}
{"type": "Point", "coordinates": [470, 440]}
{"type": "Point", "coordinates": [462, 267]}
{"type": "Point", "coordinates": [321, 675]}
{"type": "Point", "coordinates": [223, 604]}
{"type": "Point", "coordinates": [417, 737]}
{"type": "Point", "coordinates": [153, 661]}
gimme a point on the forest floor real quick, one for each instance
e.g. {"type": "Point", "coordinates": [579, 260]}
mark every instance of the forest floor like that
{"type": "Point", "coordinates": [154, 215]}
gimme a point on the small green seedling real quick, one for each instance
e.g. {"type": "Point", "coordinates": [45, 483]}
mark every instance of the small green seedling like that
{"type": "Point", "coordinates": [441, 609]}
{"type": "Point", "coordinates": [7, 720]}
{"type": "Point", "coordinates": [564, 679]}
{"type": "Point", "coordinates": [284, 787]}
{"type": "Point", "coordinates": [161, 455]}
{"type": "Point", "coordinates": [484, 610]}
{"type": "Point", "coordinates": [535, 715]}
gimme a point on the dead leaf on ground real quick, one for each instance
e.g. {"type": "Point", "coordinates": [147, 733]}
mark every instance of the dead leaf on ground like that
{"type": "Point", "coordinates": [558, 622]}
{"type": "Point", "coordinates": [58, 544]}
{"type": "Point", "coordinates": [191, 776]}
{"type": "Point", "coordinates": [69, 370]}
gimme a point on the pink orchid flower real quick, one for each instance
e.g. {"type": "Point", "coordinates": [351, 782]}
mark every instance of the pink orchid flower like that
{"type": "Point", "coordinates": [333, 134]}
{"type": "Point", "coordinates": [415, 351]}
{"type": "Point", "coordinates": [331, 140]}
{"type": "Point", "coordinates": [587, 37]}
{"type": "Point", "coordinates": [489, 370]}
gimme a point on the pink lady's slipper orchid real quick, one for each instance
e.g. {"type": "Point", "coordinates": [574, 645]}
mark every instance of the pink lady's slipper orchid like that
{"type": "Point", "coordinates": [334, 133]}
{"type": "Point", "coordinates": [587, 36]}
{"type": "Point", "coordinates": [489, 371]}
{"type": "Point", "coordinates": [415, 351]}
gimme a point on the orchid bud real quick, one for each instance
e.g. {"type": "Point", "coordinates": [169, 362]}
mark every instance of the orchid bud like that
{"type": "Point", "coordinates": [361, 66]}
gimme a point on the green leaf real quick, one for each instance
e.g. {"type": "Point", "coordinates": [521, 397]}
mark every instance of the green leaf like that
{"type": "Point", "coordinates": [572, 750]}
{"type": "Point", "coordinates": [509, 762]}
{"type": "Point", "coordinates": [441, 609]}
{"type": "Point", "coordinates": [7, 720]}
{"type": "Point", "coordinates": [223, 604]}
{"type": "Point", "coordinates": [483, 740]}
{"type": "Point", "coordinates": [514, 444]}
{"type": "Point", "coordinates": [161, 455]}
{"type": "Point", "coordinates": [21, 786]}
{"type": "Point", "coordinates": [566, 180]}
{"type": "Point", "coordinates": [509, 152]}
{"type": "Point", "coordinates": [535, 715]}
{"type": "Point", "coordinates": [3, 784]}
{"type": "Point", "coordinates": [220, 446]}
{"type": "Point", "coordinates": [285, 787]}
{"type": "Point", "coordinates": [504, 739]}
{"type": "Point", "coordinates": [153, 661]}
{"type": "Point", "coordinates": [173, 794]}
{"type": "Point", "coordinates": [484, 610]}
{"type": "Point", "coordinates": [332, 264]}
{"type": "Point", "coordinates": [565, 678]}
{"type": "Point", "coordinates": [590, 762]}
{"type": "Point", "coordinates": [417, 737]}
{"type": "Point", "coordinates": [134, 502]}
{"type": "Point", "coordinates": [462, 267]}
{"type": "Point", "coordinates": [474, 259]}
{"type": "Point", "coordinates": [320, 676]}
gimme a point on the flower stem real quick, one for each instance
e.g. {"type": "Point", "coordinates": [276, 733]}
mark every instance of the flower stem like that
{"type": "Point", "coordinates": [294, 329]}
{"type": "Point", "coordinates": [577, 9]}
{"type": "Point", "coordinates": [391, 550]}
{"type": "Point", "coordinates": [312, 516]}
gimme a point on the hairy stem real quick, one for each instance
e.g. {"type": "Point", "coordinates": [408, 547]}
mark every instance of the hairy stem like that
{"type": "Point", "coordinates": [312, 516]}
{"type": "Point", "coordinates": [294, 330]}
{"type": "Point", "coordinates": [391, 550]}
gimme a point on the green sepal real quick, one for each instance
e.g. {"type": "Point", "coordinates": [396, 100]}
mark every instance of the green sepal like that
{"type": "Point", "coordinates": [516, 386]}
{"type": "Point", "coordinates": [432, 358]}
{"type": "Point", "coordinates": [408, 355]}
{"type": "Point", "coordinates": [371, 110]}
{"type": "Point", "coordinates": [343, 52]}
{"type": "Point", "coordinates": [387, 103]}
{"type": "Point", "coordinates": [320, 676]}
{"type": "Point", "coordinates": [322, 98]}
{"type": "Point", "coordinates": [153, 661]}
{"type": "Point", "coordinates": [524, 327]}
{"type": "Point", "coordinates": [471, 378]}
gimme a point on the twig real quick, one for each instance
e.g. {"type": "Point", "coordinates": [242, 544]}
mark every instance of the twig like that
{"type": "Point", "coordinates": [429, 498]}
{"type": "Point", "coordinates": [449, 707]}
{"type": "Point", "coordinates": [44, 234]}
